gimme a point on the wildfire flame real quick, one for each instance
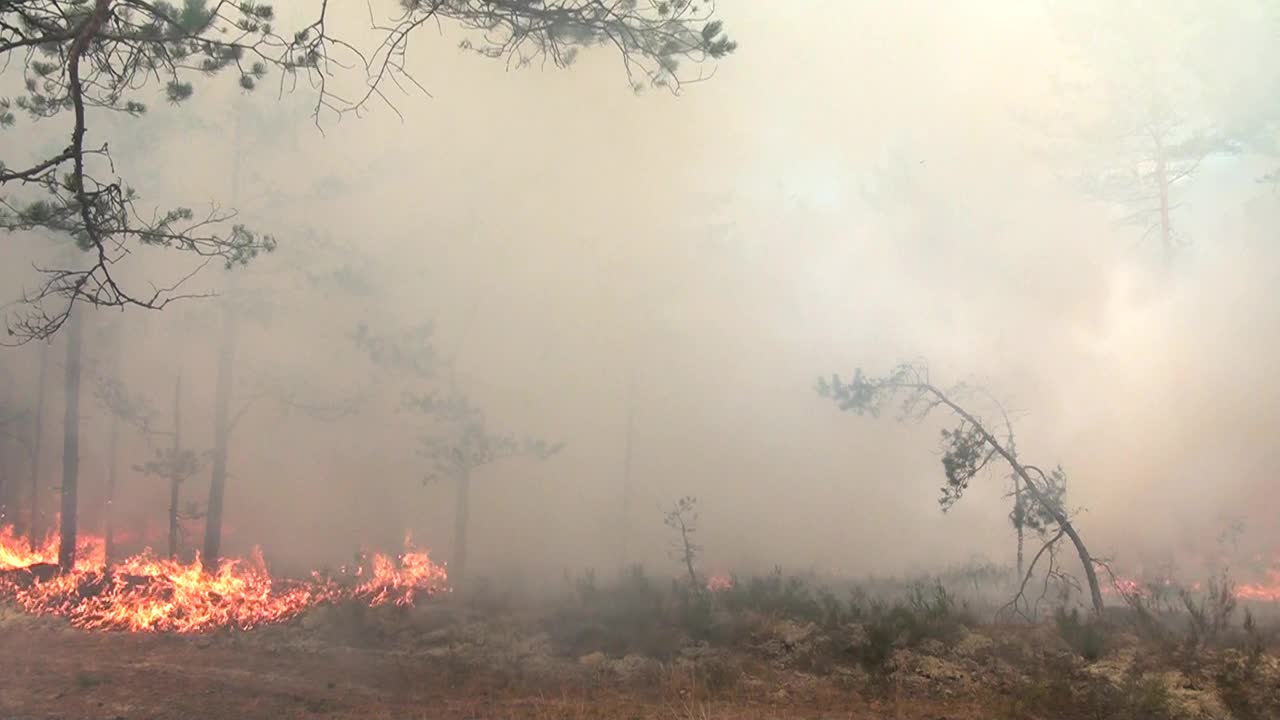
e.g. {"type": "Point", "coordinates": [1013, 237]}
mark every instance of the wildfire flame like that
{"type": "Point", "coordinates": [400, 584]}
{"type": "Point", "coordinates": [1266, 591]}
{"type": "Point", "coordinates": [149, 594]}
{"type": "Point", "coordinates": [719, 583]}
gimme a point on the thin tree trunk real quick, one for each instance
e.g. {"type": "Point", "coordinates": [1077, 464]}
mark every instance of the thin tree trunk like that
{"type": "Point", "coordinates": [71, 445]}
{"type": "Point", "coordinates": [221, 437]}
{"type": "Point", "coordinates": [113, 465]}
{"type": "Point", "coordinates": [625, 520]}
{"type": "Point", "coordinates": [1166, 222]}
{"type": "Point", "coordinates": [175, 473]}
{"type": "Point", "coordinates": [688, 557]}
{"type": "Point", "coordinates": [211, 555]}
{"type": "Point", "coordinates": [461, 518]}
{"type": "Point", "coordinates": [1055, 511]}
{"type": "Point", "coordinates": [1059, 516]}
{"type": "Point", "coordinates": [1019, 512]}
{"type": "Point", "coordinates": [5, 488]}
{"type": "Point", "coordinates": [1090, 573]}
{"type": "Point", "coordinates": [113, 462]}
{"type": "Point", "coordinates": [34, 526]}
{"type": "Point", "coordinates": [1166, 226]}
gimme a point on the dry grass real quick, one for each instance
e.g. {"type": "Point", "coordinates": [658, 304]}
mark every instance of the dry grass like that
{"type": "Point", "coordinates": [776, 648]}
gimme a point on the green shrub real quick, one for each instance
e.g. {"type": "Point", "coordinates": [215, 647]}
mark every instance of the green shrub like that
{"type": "Point", "coordinates": [1210, 615]}
{"type": "Point", "coordinates": [1062, 691]}
{"type": "Point", "coordinates": [1239, 681]}
{"type": "Point", "coordinates": [934, 614]}
{"type": "Point", "coordinates": [1144, 696]}
{"type": "Point", "coordinates": [718, 674]}
{"type": "Point", "coordinates": [773, 594]}
{"type": "Point", "coordinates": [632, 616]}
{"type": "Point", "coordinates": [694, 605]}
{"type": "Point", "coordinates": [924, 614]}
{"type": "Point", "coordinates": [882, 632]}
{"type": "Point", "coordinates": [1086, 637]}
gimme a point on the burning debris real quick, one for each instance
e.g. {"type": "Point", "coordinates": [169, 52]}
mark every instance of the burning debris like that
{"type": "Point", "coordinates": [144, 593]}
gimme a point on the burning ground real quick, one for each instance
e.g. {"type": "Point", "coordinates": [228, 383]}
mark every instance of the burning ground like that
{"type": "Point", "coordinates": [146, 593]}
{"type": "Point", "coordinates": [387, 642]}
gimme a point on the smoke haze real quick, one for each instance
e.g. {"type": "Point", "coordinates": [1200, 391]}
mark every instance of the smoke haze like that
{"type": "Point", "coordinates": [859, 184]}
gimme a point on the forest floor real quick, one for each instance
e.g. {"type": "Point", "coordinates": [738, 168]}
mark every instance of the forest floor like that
{"type": "Point", "coordinates": [605, 656]}
{"type": "Point", "coordinates": [53, 671]}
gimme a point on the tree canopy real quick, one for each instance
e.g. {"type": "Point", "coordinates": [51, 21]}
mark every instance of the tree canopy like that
{"type": "Point", "coordinates": [79, 57]}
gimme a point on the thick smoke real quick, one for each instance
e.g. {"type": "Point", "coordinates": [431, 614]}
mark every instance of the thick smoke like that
{"type": "Point", "coordinates": [860, 184]}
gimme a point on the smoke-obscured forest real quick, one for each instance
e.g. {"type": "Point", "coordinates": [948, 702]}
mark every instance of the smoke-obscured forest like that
{"type": "Point", "coordinates": [545, 266]}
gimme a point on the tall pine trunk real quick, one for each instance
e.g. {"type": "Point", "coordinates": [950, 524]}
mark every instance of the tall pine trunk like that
{"type": "Point", "coordinates": [461, 518]}
{"type": "Point", "coordinates": [175, 471]}
{"type": "Point", "coordinates": [222, 396]}
{"type": "Point", "coordinates": [221, 436]}
{"type": "Point", "coordinates": [71, 445]}
{"type": "Point", "coordinates": [35, 528]}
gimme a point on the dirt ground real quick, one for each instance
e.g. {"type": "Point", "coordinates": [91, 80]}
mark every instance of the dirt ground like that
{"type": "Point", "coordinates": [450, 658]}
{"type": "Point", "coordinates": [53, 671]}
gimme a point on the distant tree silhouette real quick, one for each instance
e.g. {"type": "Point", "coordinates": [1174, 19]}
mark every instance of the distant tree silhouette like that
{"type": "Point", "coordinates": [460, 440]}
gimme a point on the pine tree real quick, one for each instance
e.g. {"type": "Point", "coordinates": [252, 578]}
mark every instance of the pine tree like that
{"type": "Point", "coordinates": [85, 58]}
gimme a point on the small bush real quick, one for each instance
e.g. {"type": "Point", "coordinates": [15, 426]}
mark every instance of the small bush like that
{"type": "Point", "coordinates": [934, 614]}
{"type": "Point", "coordinates": [458, 668]}
{"type": "Point", "coordinates": [694, 605]}
{"type": "Point", "coordinates": [1144, 696]}
{"type": "Point", "coordinates": [1048, 691]}
{"type": "Point", "coordinates": [633, 616]}
{"type": "Point", "coordinates": [1210, 615]}
{"type": "Point", "coordinates": [1085, 637]}
{"type": "Point", "coordinates": [1062, 691]}
{"type": "Point", "coordinates": [1239, 678]}
{"type": "Point", "coordinates": [924, 614]}
{"type": "Point", "coordinates": [833, 612]}
{"type": "Point", "coordinates": [882, 637]}
{"type": "Point", "coordinates": [1254, 642]}
{"type": "Point", "coordinates": [1149, 615]}
{"type": "Point", "coordinates": [718, 675]}
{"type": "Point", "coordinates": [774, 594]}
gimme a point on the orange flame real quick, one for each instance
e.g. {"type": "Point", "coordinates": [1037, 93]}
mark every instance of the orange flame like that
{"type": "Point", "coordinates": [1267, 591]}
{"type": "Point", "coordinates": [719, 583]}
{"type": "Point", "coordinates": [398, 584]}
{"type": "Point", "coordinates": [150, 594]}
